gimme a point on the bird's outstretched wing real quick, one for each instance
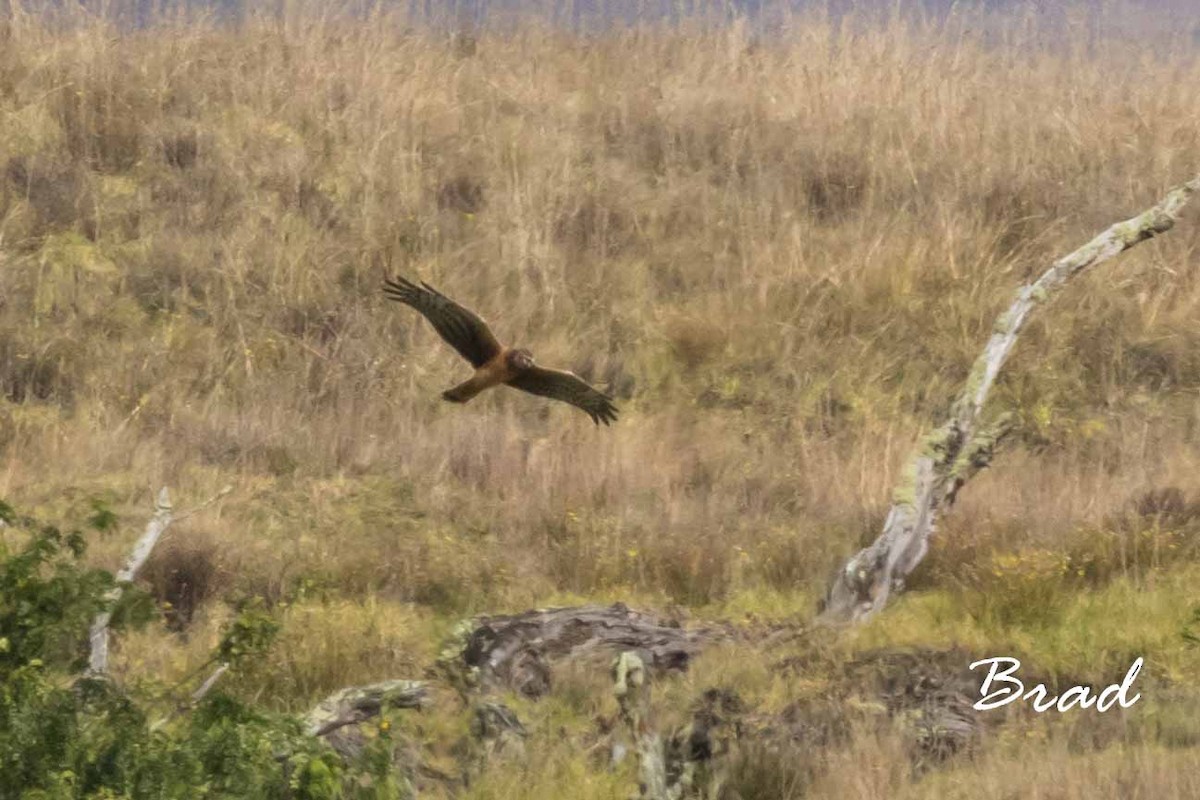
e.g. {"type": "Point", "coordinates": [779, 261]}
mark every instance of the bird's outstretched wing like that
{"type": "Point", "coordinates": [568, 387]}
{"type": "Point", "coordinates": [463, 329]}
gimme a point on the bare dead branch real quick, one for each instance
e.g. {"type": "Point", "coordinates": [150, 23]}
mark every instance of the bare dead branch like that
{"type": "Point", "coordinates": [98, 635]}
{"type": "Point", "coordinates": [954, 452]}
{"type": "Point", "coordinates": [163, 516]}
{"type": "Point", "coordinates": [196, 509]}
{"type": "Point", "coordinates": [203, 689]}
{"type": "Point", "coordinates": [201, 692]}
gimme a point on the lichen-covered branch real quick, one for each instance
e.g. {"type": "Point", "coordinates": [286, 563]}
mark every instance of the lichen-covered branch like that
{"type": "Point", "coordinates": [949, 456]}
{"type": "Point", "coordinates": [335, 719]}
{"type": "Point", "coordinates": [631, 686]}
{"type": "Point", "coordinates": [358, 703]}
{"type": "Point", "coordinates": [98, 634]}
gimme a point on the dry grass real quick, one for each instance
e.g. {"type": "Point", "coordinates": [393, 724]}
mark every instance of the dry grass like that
{"type": "Point", "coordinates": [780, 254]}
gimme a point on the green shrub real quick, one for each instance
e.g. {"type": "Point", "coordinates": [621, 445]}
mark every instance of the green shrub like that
{"type": "Point", "coordinates": [64, 734]}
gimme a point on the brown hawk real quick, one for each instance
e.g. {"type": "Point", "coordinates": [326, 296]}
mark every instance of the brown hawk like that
{"type": "Point", "coordinates": [495, 363]}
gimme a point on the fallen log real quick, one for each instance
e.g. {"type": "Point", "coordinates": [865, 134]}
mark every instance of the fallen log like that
{"type": "Point", "coordinates": [952, 454]}
{"type": "Point", "coordinates": [519, 651]}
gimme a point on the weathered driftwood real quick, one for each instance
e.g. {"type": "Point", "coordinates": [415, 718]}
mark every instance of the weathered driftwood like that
{"type": "Point", "coordinates": [98, 635]}
{"type": "Point", "coordinates": [519, 651]}
{"type": "Point", "coordinates": [949, 456]}
{"type": "Point", "coordinates": [923, 696]}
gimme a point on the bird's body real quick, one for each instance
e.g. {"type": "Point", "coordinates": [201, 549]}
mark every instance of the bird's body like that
{"type": "Point", "coordinates": [495, 372]}
{"type": "Point", "coordinates": [494, 363]}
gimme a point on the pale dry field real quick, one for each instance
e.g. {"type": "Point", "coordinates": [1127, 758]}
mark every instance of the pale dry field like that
{"type": "Point", "coordinates": [779, 254]}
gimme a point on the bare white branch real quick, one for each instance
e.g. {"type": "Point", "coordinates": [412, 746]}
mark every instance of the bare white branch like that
{"type": "Point", "coordinates": [209, 682]}
{"type": "Point", "coordinates": [950, 455]}
{"type": "Point", "coordinates": [98, 635]}
{"type": "Point", "coordinates": [198, 508]}
{"type": "Point", "coordinates": [163, 516]}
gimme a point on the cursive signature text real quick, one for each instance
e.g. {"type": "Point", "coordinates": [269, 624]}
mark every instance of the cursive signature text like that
{"type": "Point", "coordinates": [1002, 687]}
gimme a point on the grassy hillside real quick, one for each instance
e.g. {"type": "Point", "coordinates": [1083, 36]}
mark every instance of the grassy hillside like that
{"type": "Point", "coordinates": [779, 254]}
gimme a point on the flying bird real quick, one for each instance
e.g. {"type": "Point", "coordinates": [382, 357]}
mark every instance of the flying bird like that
{"type": "Point", "coordinates": [495, 363]}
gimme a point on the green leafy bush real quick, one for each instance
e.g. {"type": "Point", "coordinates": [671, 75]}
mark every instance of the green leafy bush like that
{"type": "Point", "coordinates": [66, 735]}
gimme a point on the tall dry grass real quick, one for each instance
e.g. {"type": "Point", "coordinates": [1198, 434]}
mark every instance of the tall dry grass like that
{"type": "Point", "coordinates": [779, 253]}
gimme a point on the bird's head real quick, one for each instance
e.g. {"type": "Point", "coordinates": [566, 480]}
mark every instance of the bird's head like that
{"type": "Point", "coordinates": [520, 359]}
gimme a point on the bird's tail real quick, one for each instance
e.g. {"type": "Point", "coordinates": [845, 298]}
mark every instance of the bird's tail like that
{"type": "Point", "coordinates": [464, 391]}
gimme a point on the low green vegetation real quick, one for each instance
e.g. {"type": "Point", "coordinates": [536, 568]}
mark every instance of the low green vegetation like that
{"type": "Point", "coordinates": [65, 734]}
